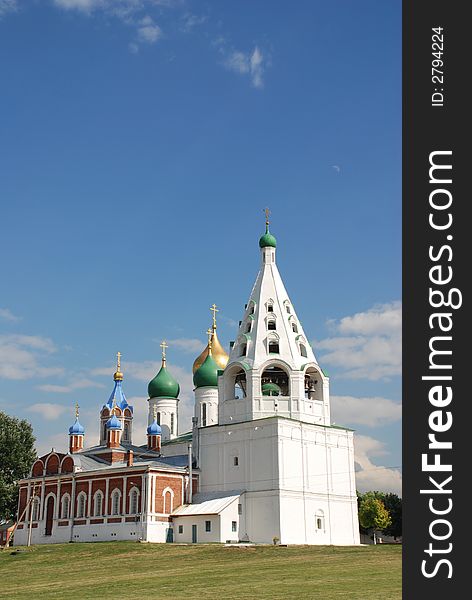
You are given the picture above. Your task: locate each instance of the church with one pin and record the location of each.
(263, 463)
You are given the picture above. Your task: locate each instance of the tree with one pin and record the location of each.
(372, 514)
(393, 504)
(17, 454)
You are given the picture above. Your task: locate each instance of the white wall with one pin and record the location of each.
(290, 471)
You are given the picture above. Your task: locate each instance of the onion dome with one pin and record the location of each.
(271, 389)
(113, 422)
(267, 240)
(154, 428)
(163, 385)
(207, 374)
(219, 355)
(76, 428)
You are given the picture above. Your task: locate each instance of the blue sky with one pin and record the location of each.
(140, 141)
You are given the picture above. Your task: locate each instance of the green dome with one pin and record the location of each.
(271, 389)
(267, 240)
(207, 374)
(163, 385)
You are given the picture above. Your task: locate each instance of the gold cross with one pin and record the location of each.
(118, 361)
(214, 310)
(76, 410)
(210, 335)
(267, 213)
(164, 345)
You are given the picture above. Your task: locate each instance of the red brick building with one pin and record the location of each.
(112, 491)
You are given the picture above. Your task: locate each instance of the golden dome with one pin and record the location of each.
(217, 352)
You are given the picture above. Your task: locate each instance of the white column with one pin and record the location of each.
(58, 495)
(124, 508)
(107, 492)
(89, 499)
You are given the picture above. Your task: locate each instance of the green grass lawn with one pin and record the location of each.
(133, 570)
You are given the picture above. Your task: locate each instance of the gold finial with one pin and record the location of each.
(76, 410)
(118, 375)
(267, 213)
(210, 339)
(164, 345)
(214, 310)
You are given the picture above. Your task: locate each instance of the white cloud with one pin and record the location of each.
(370, 476)
(251, 63)
(133, 48)
(381, 319)
(74, 385)
(368, 345)
(371, 412)
(86, 6)
(8, 6)
(21, 356)
(48, 411)
(5, 313)
(148, 31)
(190, 21)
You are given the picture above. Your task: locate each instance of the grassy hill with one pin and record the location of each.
(203, 572)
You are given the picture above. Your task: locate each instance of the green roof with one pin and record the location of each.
(207, 373)
(267, 240)
(163, 385)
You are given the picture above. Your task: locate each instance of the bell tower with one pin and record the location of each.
(272, 369)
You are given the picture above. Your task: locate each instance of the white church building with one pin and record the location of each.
(263, 462)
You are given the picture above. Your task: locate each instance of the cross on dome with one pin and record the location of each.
(214, 310)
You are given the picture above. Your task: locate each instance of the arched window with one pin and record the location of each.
(319, 520)
(270, 308)
(274, 347)
(104, 431)
(251, 308)
(294, 328)
(65, 506)
(172, 418)
(115, 503)
(243, 349)
(35, 510)
(271, 325)
(133, 501)
(158, 418)
(287, 307)
(168, 500)
(313, 384)
(204, 414)
(248, 326)
(81, 499)
(303, 350)
(126, 432)
(275, 375)
(98, 504)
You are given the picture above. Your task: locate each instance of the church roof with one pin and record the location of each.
(210, 503)
(270, 317)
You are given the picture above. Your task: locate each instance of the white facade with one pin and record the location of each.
(167, 414)
(274, 439)
(206, 406)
